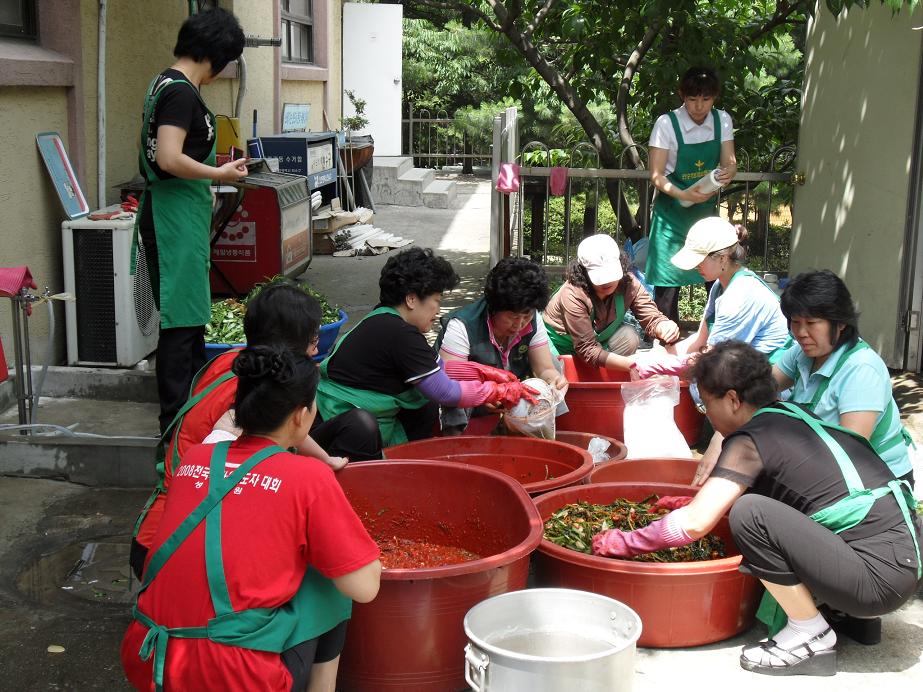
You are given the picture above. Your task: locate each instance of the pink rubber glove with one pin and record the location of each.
(465, 370)
(673, 501)
(663, 533)
(649, 363)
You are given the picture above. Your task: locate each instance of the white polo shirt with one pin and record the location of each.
(663, 136)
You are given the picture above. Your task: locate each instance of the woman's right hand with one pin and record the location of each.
(232, 171)
(695, 196)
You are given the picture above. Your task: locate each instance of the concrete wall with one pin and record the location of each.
(52, 86)
(855, 146)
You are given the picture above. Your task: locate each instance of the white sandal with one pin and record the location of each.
(822, 662)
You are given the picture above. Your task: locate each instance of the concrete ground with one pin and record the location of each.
(45, 524)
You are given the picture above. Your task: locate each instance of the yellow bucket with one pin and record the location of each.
(228, 134)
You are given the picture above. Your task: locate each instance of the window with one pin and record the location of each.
(17, 18)
(297, 31)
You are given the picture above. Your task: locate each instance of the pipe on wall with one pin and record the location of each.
(101, 109)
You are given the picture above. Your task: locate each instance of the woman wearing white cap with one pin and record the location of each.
(584, 317)
(740, 306)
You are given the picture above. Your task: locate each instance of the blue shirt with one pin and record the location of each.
(747, 311)
(862, 384)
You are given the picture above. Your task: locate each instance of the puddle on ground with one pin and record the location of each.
(93, 571)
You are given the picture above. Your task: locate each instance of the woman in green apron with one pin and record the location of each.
(686, 144)
(584, 317)
(177, 161)
(834, 372)
(840, 530)
(259, 555)
(385, 365)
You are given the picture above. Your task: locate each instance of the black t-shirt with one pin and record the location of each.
(182, 106)
(780, 457)
(383, 354)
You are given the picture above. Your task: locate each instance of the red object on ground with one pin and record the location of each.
(677, 471)
(540, 465)
(595, 401)
(681, 604)
(617, 448)
(411, 637)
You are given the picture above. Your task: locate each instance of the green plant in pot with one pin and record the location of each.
(357, 121)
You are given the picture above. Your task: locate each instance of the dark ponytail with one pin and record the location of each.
(738, 253)
(272, 383)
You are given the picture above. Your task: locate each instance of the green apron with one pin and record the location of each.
(334, 398)
(777, 354)
(563, 344)
(845, 513)
(670, 221)
(879, 439)
(167, 441)
(182, 213)
(316, 607)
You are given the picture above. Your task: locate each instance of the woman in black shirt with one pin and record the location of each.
(795, 528)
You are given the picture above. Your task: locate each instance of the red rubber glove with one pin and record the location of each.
(663, 533)
(463, 370)
(673, 501)
(649, 363)
(509, 394)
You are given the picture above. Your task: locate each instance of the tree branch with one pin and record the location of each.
(781, 16)
(515, 11)
(621, 102)
(538, 18)
(461, 7)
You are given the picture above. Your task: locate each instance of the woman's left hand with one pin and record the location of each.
(725, 175)
(558, 381)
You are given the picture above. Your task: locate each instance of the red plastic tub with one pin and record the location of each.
(680, 604)
(595, 402)
(617, 448)
(677, 471)
(540, 465)
(411, 637)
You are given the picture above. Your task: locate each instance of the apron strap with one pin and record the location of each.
(610, 329)
(822, 387)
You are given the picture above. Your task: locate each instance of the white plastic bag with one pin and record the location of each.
(598, 449)
(650, 430)
(536, 420)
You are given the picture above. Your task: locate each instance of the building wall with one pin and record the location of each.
(57, 91)
(855, 146)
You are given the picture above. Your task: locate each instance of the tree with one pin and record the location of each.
(591, 52)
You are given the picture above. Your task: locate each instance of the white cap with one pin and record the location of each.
(599, 255)
(706, 236)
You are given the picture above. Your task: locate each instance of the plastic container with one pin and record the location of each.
(617, 448)
(411, 637)
(545, 640)
(595, 401)
(326, 338)
(681, 604)
(677, 471)
(540, 465)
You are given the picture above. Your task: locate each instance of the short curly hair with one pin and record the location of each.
(516, 284)
(214, 35)
(734, 365)
(415, 270)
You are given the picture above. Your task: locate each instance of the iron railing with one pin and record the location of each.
(439, 141)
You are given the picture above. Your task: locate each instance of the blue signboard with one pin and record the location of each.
(62, 175)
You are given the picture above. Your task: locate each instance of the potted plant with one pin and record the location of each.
(357, 151)
(225, 330)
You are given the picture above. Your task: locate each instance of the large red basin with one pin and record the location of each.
(411, 637)
(594, 398)
(617, 448)
(678, 471)
(680, 604)
(540, 465)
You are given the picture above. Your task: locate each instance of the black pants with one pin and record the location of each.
(301, 658)
(354, 435)
(180, 355)
(866, 577)
(419, 423)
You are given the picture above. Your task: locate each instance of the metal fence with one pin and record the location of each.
(547, 228)
(437, 141)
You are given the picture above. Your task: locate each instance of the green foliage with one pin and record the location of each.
(358, 120)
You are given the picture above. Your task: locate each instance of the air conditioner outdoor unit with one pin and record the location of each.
(113, 321)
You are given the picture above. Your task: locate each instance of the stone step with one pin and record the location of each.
(391, 167)
(439, 194)
(417, 177)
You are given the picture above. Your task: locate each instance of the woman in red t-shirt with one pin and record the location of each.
(269, 567)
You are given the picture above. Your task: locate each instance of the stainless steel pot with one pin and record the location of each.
(551, 640)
